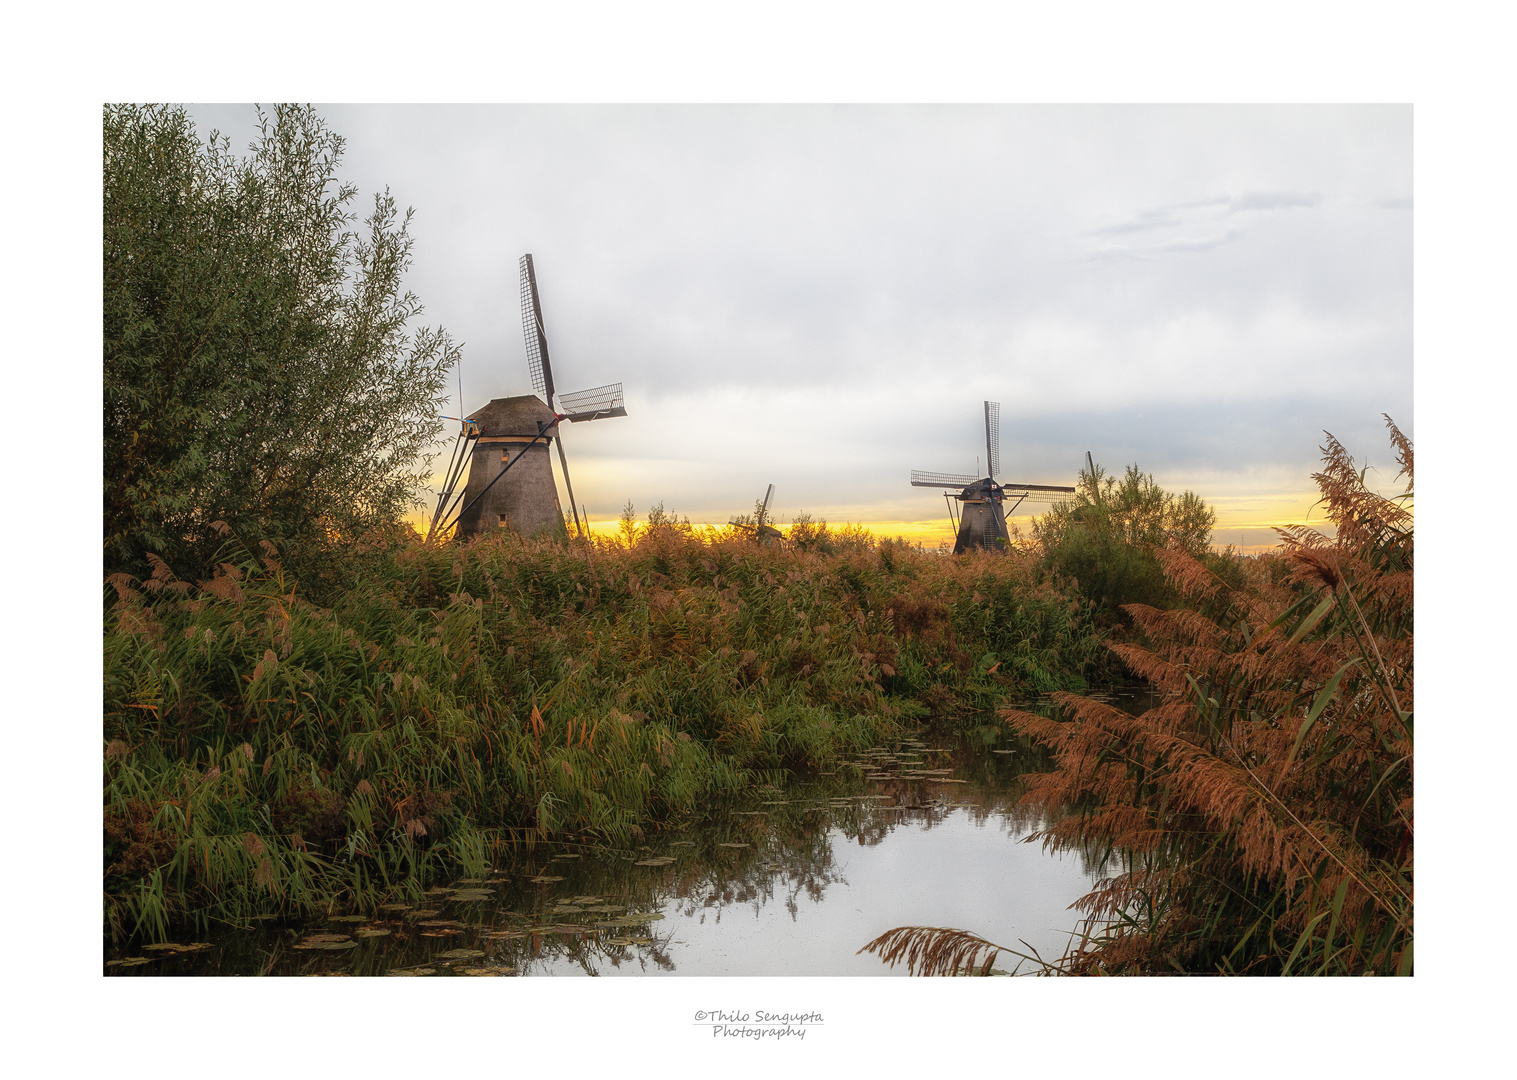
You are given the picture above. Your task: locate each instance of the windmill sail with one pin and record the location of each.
(993, 437)
(532, 329)
(922, 478)
(596, 404)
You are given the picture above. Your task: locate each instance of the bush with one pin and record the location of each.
(1107, 537)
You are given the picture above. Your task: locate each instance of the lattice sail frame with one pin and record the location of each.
(594, 404)
(923, 478)
(993, 437)
(538, 364)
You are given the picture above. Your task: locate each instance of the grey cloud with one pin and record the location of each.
(786, 292)
(1160, 217)
(1272, 200)
(1179, 245)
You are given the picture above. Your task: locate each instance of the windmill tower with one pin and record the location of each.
(505, 445)
(764, 532)
(982, 509)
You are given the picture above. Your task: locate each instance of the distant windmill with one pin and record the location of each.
(518, 430)
(763, 531)
(982, 514)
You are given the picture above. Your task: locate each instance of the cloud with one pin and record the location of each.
(1179, 245)
(1160, 217)
(1272, 200)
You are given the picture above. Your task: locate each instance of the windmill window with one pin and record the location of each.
(505, 456)
(504, 523)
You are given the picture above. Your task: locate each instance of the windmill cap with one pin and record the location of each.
(513, 416)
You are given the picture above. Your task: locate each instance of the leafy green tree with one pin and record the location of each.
(260, 364)
(1105, 537)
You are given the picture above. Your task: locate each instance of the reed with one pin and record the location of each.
(452, 703)
(1258, 820)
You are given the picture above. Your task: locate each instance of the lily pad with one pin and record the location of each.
(567, 855)
(544, 879)
(319, 939)
(484, 972)
(460, 954)
(372, 931)
(394, 907)
(171, 947)
(470, 881)
(472, 896)
(414, 971)
(328, 946)
(734, 845)
(425, 913)
(439, 922)
(662, 861)
(132, 961)
(347, 918)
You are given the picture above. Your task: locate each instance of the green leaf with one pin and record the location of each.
(1321, 703)
(1313, 619)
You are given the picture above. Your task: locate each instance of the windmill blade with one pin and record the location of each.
(993, 437)
(596, 404)
(1034, 489)
(767, 496)
(1042, 494)
(532, 329)
(920, 478)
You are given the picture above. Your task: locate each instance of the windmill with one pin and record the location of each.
(982, 509)
(519, 430)
(764, 532)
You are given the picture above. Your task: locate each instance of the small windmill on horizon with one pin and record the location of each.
(516, 431)
(981, 520)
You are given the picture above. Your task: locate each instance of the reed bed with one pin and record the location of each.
(266, 755)
(1258, 820)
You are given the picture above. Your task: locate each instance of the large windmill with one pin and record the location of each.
(981, 520)
(517, 430)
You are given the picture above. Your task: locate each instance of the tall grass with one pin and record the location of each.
(1260, 817)
(264, 754)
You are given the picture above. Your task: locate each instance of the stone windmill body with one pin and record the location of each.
(505, 446)
(980, 522)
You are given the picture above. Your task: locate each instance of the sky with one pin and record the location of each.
(821, 297)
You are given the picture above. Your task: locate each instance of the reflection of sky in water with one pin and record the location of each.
(958, 873)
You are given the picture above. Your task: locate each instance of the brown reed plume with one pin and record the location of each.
(1258, 819)
(1261, 814)
(935, 950)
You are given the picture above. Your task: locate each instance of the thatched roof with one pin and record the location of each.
(512, 416)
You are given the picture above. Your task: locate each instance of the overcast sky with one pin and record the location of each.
(821, 297)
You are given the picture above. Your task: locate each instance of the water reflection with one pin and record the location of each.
(792, 881)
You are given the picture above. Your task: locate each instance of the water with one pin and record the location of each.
(791, 881)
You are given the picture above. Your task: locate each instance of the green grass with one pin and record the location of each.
(458, 702)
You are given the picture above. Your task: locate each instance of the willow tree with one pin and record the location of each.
(262, 365)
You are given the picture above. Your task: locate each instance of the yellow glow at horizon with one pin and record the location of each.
(1242, 522)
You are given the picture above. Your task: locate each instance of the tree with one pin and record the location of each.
(259, 363)
(1105, 537)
